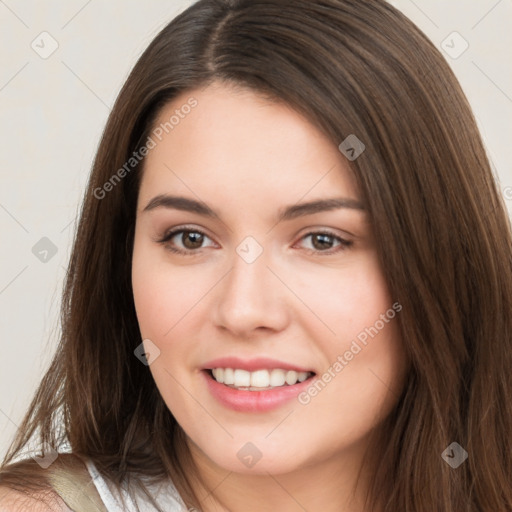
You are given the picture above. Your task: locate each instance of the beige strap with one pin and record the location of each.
(76, 487)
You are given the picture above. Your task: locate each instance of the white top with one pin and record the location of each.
(165, 495)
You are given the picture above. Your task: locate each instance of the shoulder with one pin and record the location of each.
(12, 500)
(24, 485)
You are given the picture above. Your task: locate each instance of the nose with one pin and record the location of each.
(251, 298)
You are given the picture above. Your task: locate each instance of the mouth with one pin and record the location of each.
(255, 385)
(258, 380)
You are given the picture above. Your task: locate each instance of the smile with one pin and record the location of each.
(258, 380)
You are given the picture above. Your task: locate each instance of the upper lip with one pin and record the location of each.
(250, 365)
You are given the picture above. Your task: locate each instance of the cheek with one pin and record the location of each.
(345, 300)
(364, 361)
(162, 293)
(150, 294)
(162, 300)
(368, 329)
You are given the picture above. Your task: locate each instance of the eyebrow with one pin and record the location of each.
(288, 213)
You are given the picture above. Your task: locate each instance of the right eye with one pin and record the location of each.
(190, 239)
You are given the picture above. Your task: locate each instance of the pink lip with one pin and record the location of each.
(251, 365)
(253, 401)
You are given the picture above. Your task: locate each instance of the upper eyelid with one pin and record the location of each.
(171, 233)
(341, 239)
(192, 228)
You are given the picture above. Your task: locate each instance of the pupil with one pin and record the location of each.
(325, 241)
(196, 239)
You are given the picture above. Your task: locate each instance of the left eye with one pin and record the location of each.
(323, 242)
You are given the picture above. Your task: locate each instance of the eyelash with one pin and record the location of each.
(343, 244)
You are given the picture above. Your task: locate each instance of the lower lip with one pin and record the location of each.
(253, 401)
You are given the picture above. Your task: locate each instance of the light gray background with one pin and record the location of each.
(53, 111)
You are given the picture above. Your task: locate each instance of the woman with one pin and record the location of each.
(290, 287)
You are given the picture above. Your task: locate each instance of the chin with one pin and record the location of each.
(255, 457)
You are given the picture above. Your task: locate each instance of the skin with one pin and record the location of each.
(248, 158)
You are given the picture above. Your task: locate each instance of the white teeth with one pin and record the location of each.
(291, 377)
(259, 379)
(242, 378)
(229, 376)
(301, 377)
(218, 374)
(277, 378)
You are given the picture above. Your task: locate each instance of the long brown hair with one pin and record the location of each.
(352, 67)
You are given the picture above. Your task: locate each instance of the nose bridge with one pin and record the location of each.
(248, 282)
(248, 274)
(251, 295)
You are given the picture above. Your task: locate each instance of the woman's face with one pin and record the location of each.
(264, 282)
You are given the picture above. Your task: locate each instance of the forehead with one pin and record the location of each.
(235, 144)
